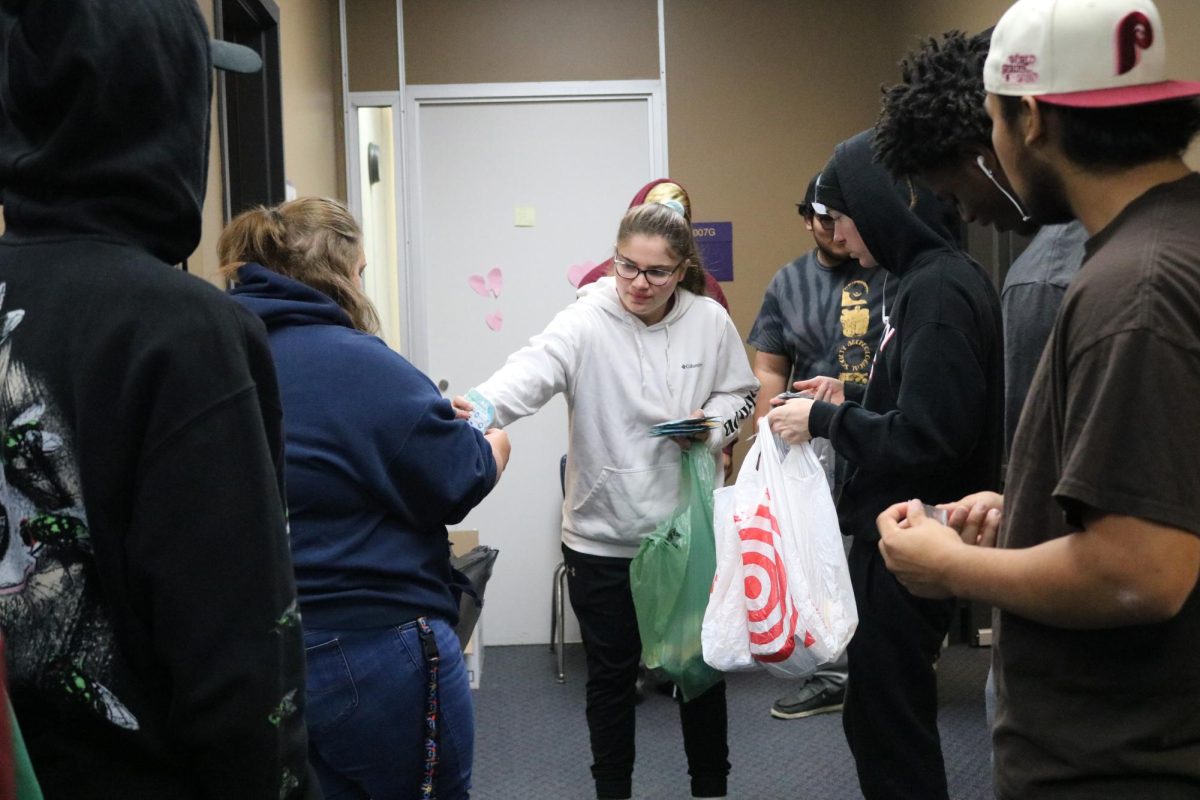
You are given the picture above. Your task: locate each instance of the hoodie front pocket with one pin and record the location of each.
(629, 501)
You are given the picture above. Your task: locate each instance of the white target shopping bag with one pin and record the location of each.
(724, 636)
(798, 603)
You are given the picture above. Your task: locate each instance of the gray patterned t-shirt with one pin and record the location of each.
(825, 320)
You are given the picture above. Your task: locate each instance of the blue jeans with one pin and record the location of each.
(366, 713)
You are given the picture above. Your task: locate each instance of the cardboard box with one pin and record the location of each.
(473, 655)
(463, 541)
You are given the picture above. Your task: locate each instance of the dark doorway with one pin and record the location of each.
(250, 107)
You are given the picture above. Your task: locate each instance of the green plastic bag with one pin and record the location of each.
(671, 577)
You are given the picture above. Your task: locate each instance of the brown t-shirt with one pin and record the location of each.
(1112, 423)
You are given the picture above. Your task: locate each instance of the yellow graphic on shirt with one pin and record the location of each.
(856, 316)
(854, 356)
(855, 293)
(855, 321)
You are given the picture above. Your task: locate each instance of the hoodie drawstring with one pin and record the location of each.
(670, 389)
(641, 354)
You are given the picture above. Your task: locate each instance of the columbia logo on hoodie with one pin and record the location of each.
(697, 365)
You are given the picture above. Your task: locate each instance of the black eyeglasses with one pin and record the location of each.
(655, 276)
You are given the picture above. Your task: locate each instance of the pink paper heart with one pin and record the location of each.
(577, 272)
(495, 321)
(495, 280)
(478, 285)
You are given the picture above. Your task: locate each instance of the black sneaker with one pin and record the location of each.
(814, 697)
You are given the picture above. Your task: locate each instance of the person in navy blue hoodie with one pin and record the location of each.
(376, 466)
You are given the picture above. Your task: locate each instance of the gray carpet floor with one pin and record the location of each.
(532, 744)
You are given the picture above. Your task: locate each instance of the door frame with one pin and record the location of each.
(421, 96)
(394, 100)
(252, 165)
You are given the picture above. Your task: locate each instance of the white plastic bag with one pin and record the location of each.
(724, 637)
(799, 603)
(823, 448)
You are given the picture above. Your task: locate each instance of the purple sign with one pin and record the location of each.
(715, 240)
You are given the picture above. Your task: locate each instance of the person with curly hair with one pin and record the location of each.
(933, 126)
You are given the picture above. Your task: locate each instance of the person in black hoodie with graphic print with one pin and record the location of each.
(929, 425)
(146, 590)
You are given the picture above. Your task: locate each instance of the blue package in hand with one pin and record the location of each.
(483, 413)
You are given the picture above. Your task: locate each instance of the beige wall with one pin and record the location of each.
(755, 111)
(1181, 18)
(309, 62)
(483, 41)
(371, 45)
(311, 82)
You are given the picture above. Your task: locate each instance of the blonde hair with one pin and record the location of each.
(313, 240)
(655, 219)
(669, 190)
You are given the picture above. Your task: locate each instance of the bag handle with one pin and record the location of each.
(804, 453)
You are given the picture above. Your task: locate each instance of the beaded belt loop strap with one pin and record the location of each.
(430, 651)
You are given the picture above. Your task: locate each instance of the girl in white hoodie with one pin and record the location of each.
(637, 348)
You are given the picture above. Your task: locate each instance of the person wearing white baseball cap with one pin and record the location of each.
(1094, 573)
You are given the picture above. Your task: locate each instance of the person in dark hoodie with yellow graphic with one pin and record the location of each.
(146, 590)
(928, 425)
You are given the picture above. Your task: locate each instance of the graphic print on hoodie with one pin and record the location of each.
(930, 423)
(146, 593)
(62, 640)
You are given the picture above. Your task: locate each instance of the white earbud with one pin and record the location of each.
(1024, 217)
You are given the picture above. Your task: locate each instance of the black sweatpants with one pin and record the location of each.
(601, 598)
(890, 711)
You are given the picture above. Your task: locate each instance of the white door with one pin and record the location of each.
(514, 189)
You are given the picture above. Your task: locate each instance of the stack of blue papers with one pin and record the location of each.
(689, 426)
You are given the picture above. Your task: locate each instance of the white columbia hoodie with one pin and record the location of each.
(621, 376)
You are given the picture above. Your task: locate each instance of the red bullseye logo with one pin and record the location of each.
(772, 618)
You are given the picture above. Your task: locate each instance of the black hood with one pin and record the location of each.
(900, 222)
(104, 120)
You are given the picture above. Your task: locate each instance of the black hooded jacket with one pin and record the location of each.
(146, 594)
(930, 424)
